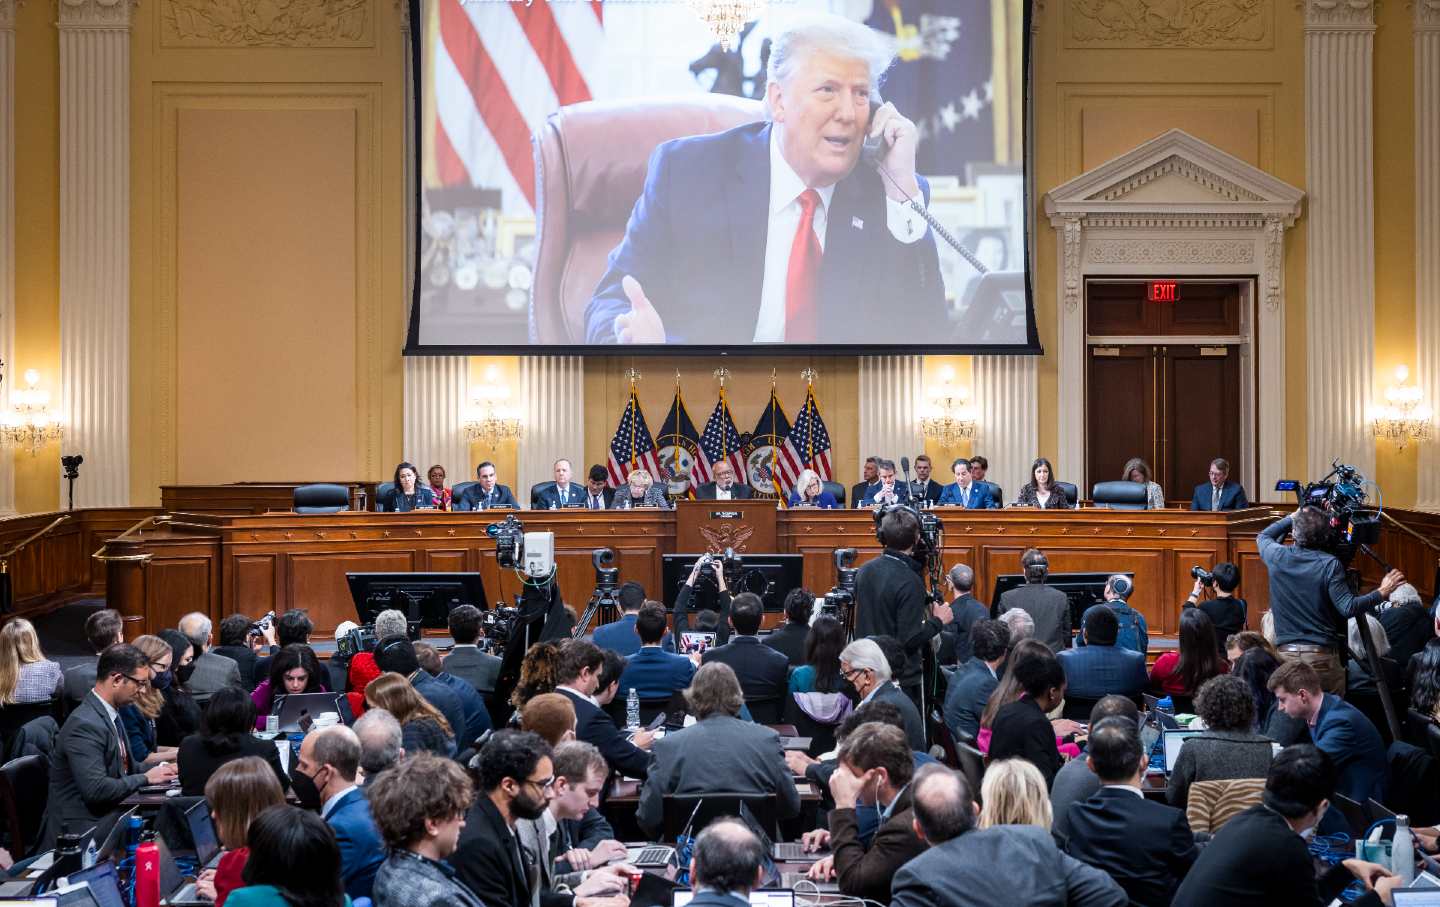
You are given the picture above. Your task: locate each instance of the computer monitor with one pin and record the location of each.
(427, 598)
(1083, 589)
(770, 576)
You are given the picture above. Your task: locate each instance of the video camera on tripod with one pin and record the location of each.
(839, 602)
(1341, 495)
(605, 600)
(533, 553)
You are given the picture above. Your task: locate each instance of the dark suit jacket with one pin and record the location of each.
(595, 727)
(686, 762)
(931, 491)
(472, 704)
(79, 681)
(976, 497)
(1257, 860)
(955, 645)
(866, 871)
(902, 493)
(213, 671)
(762, 671)
(965, 697)
(244, 656)
(696, 243)
(362, 850)
(470, 664)
(488, 860)
(914, 725)
(87, 780)
(1092, 672)
(738, 490)
(655, 673)
(1145, 846)
(550, 497)
(1353, 744)
(474, 498)
(199, 757)
(859, 490)
(789, 639)
(607, 497)
(438, 694)
(395, 501)
(1021, 730)
(620, 636)
(1232, 497)
(1049, 608)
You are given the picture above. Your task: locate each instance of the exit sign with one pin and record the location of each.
(1163, 291)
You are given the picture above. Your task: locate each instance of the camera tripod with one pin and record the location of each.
(605, 601)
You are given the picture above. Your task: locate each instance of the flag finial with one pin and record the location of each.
(634, 375)
(677, 379)
(722, 373)
(809, 374)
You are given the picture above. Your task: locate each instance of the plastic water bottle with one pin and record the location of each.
(1402, 851)
(632, 709)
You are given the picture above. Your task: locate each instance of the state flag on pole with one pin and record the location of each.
(807, 446)
(762, 454)
(721, 440)
(632, 447)
(683, 467)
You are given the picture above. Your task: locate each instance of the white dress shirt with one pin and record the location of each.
(722, 494)
(785, 188)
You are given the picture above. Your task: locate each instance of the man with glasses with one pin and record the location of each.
(91, 769)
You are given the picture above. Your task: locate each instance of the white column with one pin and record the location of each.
(1007, 430)
(1427, 232)
(436, 392)
(1069, 458)
(95, 246)
(1340, 254)
(552, 394)
(890, 393)
(7, 233)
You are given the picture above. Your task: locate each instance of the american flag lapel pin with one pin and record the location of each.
(857, 223)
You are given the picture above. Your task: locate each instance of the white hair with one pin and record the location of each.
(834, 35)
(1377, 635)
(345, 626)
(391, 623)
(196, 628)
(1021, 624)
(1405, 594)
(803, 481)
(866, 654)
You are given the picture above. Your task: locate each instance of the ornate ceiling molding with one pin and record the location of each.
(95, 14)
(1208, 24)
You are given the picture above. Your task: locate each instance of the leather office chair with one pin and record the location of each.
(1119, 495)
(996, 493)
(535, 493)
(382, 491)
(458, 489)
(838, 490)
(320, 498)
(24, 789)
(587, 183)
(1072, 494)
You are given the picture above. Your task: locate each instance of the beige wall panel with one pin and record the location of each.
(266, 366)
(1110, 131)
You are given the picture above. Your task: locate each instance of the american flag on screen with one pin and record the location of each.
(499, 70)
(721, 440)
(632, 447)
(807, 447)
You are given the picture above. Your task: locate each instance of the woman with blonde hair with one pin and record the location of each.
(1014, 793)
(26, 675)
(422, 727)
(810, 491)
(239, 791)
(640, 490)
(1137, 470)
(139, 718)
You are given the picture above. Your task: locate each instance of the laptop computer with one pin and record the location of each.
(175, 888)
(116, 836)
(1415, 897)
(1174, 740)
(103, 882)
(760, 897)
(1353, 812)
(294, 709)
(202, 833)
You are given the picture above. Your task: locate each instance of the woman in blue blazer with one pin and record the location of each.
(407, 493)
(809, 490)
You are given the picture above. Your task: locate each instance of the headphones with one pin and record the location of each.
(1121, 585)
(1038, 567)
(389, 644)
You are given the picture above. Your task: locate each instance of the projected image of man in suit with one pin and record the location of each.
(770, 232)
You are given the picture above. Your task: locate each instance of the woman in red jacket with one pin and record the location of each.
(1181, 673)
(237, 793)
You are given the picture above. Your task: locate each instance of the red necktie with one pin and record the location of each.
(803, 277)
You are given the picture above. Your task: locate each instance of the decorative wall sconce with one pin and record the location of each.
(29, 422)
(492, 419)
(948, 418)
(1405, 418)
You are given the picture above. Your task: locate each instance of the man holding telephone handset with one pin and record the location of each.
(771, 232)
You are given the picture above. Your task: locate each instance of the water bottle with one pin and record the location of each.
(1402, 851)
(147, 873)
(632, 709)
(92, 854)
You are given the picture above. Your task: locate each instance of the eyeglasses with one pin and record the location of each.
(159, 666)
(545, 785)
(851, 674)
(136, 680)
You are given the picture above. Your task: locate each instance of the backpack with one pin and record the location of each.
(1129, 635)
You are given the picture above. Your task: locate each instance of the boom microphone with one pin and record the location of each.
(905, 467)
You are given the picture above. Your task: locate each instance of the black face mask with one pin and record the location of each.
(183, 672)
(306, 793)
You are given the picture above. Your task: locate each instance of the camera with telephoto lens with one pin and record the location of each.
(927, 541)
(1341, 495)
(509, 539)
(258, 627)
(732, 565)
(360, 639)
(496, 625)
(1205, 577)
(840, 599)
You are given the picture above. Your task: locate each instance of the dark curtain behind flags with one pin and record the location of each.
(632, 447)
(683, 468)
(942, 79)
(764, 448)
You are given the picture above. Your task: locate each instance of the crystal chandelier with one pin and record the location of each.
(948, 418)
(29, 422)
(726, 17)
(1404, 417)
(492, 419)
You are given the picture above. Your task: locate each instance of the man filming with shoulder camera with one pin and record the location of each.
(891, 596)
(1310, 599)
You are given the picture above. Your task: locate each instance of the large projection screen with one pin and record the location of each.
(603, 177)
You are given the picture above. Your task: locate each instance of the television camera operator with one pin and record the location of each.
(892, 597)
(1310, 596)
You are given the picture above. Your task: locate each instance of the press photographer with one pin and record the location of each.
(891, 596)
(1225, 610)
(1310, 595)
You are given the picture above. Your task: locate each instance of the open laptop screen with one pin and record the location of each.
(1174, 740)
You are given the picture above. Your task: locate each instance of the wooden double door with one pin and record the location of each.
(1174, 400)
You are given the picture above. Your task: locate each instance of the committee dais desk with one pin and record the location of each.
(258, 562)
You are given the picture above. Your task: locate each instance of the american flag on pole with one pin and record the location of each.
(632, 447)
(721, 440)
(807, 447)
(682, 463)
(499, 70)
(763, 451)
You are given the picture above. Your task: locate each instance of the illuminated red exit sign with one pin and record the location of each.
(1163, 291)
